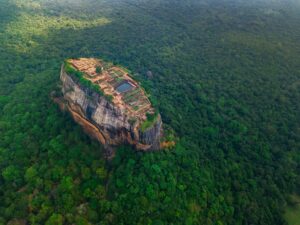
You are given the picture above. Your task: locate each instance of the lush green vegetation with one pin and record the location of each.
(79, 77)
(225, 79)
(151, 119)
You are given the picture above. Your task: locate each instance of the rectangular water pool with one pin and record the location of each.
(126, 86)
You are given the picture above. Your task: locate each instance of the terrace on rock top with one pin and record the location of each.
(116, 82)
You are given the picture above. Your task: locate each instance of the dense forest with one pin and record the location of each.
(226, 80)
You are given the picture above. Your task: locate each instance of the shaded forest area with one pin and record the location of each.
(225, 76)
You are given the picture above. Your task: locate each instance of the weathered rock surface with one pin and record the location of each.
(104, 121)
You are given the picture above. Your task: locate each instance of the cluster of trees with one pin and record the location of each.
(225, 76)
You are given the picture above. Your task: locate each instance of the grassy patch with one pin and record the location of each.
(292, 213)
(78, 75)
(87, 83)
(151, 119)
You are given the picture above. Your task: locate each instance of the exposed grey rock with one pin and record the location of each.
(103, 120)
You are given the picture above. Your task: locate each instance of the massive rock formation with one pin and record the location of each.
(107, 120)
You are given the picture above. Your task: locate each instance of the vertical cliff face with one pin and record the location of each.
(105, 121)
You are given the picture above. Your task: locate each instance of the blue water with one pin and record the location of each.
(124, 87)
